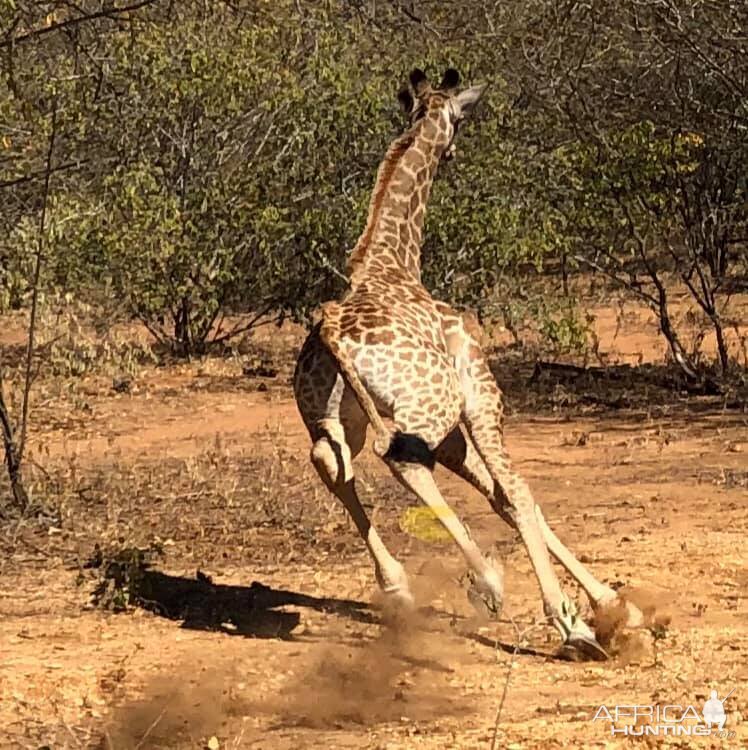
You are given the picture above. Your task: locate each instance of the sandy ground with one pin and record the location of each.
(204, 461)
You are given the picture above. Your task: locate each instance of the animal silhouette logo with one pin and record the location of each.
(714, 710)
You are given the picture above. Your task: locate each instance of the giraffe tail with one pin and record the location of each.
(397, 446)
(330, 316)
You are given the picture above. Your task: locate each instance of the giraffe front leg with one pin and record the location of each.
(458, 454)
(517, 505)
(482, 414)
(598, 593)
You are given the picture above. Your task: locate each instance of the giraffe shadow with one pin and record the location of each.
(507, 648)
(251, 611)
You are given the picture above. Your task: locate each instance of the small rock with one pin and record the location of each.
(122, 384)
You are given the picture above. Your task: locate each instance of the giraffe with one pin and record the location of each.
(388, 349)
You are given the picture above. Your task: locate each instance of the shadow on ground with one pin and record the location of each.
(251, 611)
(127, 580)
(539, 386)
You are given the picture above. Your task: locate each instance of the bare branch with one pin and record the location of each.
(110, 12)
(38, 260)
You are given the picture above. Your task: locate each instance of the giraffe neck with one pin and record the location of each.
(393, 232)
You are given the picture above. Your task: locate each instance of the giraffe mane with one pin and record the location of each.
(384, 176)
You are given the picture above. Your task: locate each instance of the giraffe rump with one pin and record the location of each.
(397, 446)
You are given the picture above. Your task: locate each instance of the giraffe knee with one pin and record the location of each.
(332, 461)
(324, 460)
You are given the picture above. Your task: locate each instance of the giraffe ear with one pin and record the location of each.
(419, 82)
(468, 98)
(450, 80)
(406, 101)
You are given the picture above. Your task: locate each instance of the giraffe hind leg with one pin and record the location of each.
(411, 460)
(332, 455)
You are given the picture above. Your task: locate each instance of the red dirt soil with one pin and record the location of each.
(658, 503)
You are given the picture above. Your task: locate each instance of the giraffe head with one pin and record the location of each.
(438, 111)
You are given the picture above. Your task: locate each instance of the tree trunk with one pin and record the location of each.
(12, 461)
(669, 333)
(564, 273)
(724, 360)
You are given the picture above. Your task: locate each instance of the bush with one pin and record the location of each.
(216, 159)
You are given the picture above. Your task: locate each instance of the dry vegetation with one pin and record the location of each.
(198, 587)
(172, 573)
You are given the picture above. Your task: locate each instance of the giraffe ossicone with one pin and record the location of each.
(388, 350)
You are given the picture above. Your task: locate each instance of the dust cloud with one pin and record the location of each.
(394, 676)
(174, 710)
(631, 646)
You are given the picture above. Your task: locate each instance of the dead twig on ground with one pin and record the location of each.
(148, 731)
(519, 645)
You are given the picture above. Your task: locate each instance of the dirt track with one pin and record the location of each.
(217, 472)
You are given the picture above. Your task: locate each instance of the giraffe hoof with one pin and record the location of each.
(404, 599)
(485, 604)
(400, 599)
(398, 608)
(582, 647)
(486, 593)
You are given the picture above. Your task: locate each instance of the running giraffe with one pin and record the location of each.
(388, 349)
